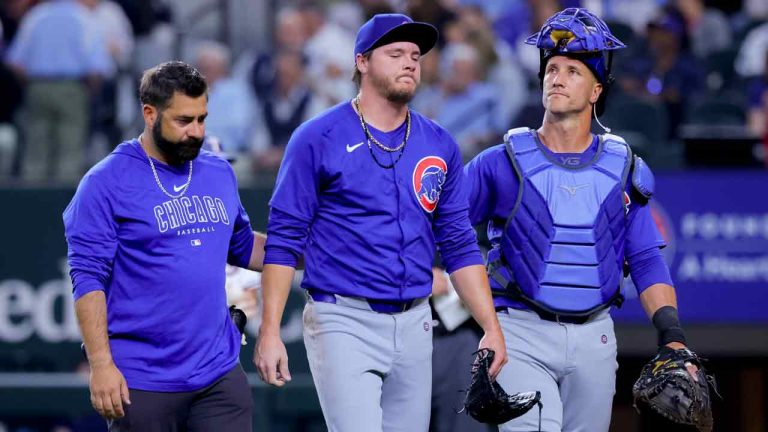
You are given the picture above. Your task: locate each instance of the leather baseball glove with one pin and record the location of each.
(487, 402)
(668, 388)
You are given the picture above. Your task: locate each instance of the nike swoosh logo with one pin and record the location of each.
(178, 189)
(351, 148)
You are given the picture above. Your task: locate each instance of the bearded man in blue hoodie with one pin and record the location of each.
(150, 230)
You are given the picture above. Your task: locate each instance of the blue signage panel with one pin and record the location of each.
(716, 226)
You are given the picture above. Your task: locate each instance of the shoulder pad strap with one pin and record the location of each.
(516, 131)
(642, 177)
(612, 137)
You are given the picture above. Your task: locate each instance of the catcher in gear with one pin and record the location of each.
(567, 213)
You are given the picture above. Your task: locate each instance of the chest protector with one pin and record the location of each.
(562, 248)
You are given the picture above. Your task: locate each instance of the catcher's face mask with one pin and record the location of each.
(579, 34)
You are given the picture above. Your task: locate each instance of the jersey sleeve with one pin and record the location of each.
(455, 237)
(295, 198)
(91, 233)
(241, 243)
(286, 238)
(642, 232)
(643, 244)
(481, 184)
(648, 268)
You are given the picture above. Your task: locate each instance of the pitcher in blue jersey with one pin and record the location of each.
(567, 214)
(150, 231)
(365, 191)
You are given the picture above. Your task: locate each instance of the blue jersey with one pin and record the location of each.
(365, 230)
(493, 187)
(161, 263)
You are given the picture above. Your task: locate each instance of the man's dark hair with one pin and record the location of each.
(159, 83)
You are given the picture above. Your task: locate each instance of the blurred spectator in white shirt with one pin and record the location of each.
(231, 103)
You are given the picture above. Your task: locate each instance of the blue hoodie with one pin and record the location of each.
(161, 263)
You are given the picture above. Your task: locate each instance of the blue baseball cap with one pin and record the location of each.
(384, 29)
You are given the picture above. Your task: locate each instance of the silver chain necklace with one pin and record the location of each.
(157, 178)
(370, 137)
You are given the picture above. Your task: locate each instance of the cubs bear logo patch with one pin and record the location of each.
(428, 179)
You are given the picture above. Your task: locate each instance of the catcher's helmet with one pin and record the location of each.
(579, 34)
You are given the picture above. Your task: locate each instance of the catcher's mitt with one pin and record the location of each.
(666, 386)
(487, 402)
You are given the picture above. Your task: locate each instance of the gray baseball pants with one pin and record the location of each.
(372, 371)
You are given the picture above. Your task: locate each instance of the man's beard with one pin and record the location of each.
(176, 153)
(390, 92)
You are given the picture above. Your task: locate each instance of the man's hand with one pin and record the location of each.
(270, 356)
(271, 360)
(494, 340)
(108, 387)
(108, 390)
(471, 285)
(692, 369)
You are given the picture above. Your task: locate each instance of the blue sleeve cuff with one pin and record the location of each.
(280, 255)
(648, 268)
(286, 238)
(84, 282)
(457, 263)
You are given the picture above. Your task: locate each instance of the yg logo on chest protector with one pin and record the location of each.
(570, 161)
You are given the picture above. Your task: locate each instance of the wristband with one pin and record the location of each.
(668, 325)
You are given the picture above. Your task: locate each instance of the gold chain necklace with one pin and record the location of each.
(183, 189)
(370, 137)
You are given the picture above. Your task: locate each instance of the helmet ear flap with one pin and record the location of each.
(609, 80)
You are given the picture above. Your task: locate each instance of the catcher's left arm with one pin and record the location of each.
(673, 383)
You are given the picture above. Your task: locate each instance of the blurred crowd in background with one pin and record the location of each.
(70, 68)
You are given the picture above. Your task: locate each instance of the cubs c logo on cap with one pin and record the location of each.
(428, 178)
